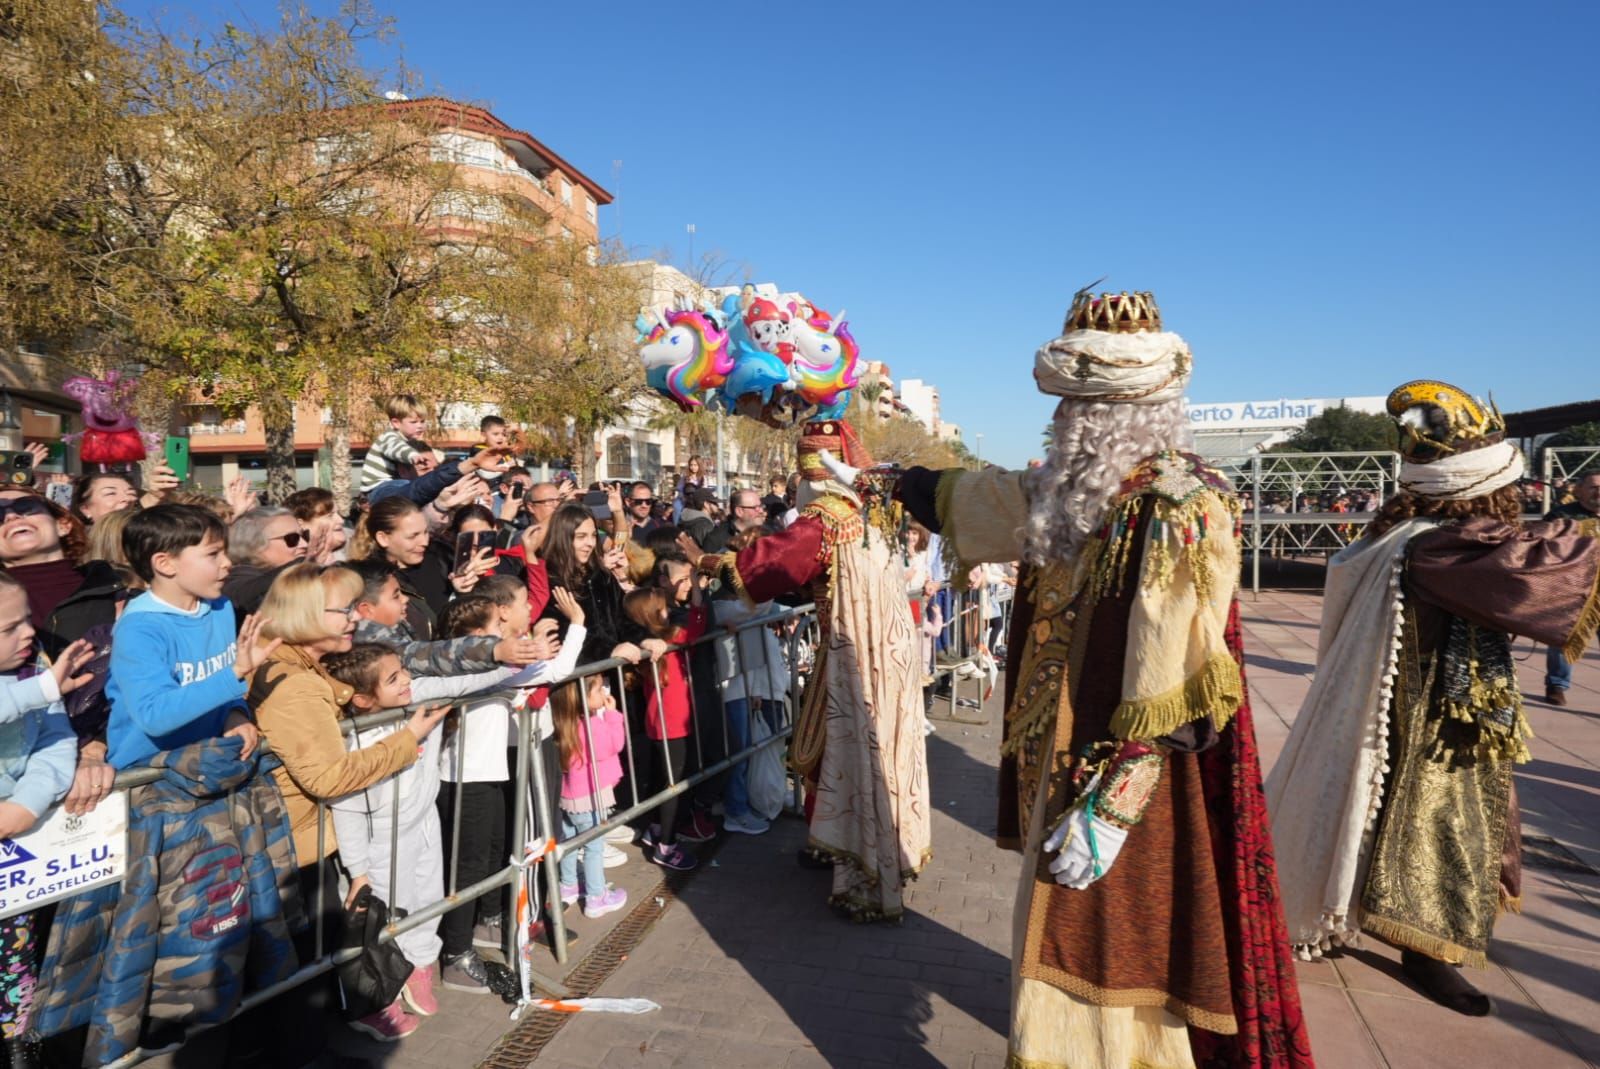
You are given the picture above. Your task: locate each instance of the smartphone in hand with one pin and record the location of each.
(177, 456)
(468, 545)
(595, 501)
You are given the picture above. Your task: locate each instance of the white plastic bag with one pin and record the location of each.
(765, 780)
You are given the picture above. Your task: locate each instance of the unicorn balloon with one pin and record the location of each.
(824, 368)
(685, 356)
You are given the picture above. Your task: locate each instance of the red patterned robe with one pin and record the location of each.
(1177, 956)
(859, 735)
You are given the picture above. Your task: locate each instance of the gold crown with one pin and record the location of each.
(1437, 419)
(1113, 313)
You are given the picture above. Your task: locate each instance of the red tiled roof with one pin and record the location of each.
(482, 121)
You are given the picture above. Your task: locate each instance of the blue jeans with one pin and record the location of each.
(594, 853)
(736, 795)
(1557, 672)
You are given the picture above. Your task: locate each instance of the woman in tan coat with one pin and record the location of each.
(298, 707)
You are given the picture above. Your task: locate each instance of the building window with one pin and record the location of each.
(619, 457)
(650, 468)
(465, 204)
(566, 192)
(462, 148)
(590, 209)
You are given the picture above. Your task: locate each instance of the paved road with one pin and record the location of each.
(753, 972)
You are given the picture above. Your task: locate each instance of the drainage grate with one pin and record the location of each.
(1542, 852)
(520, 1046)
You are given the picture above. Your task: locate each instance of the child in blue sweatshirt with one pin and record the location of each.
(177, 671)
(38, 754)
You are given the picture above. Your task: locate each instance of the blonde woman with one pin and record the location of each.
(298, 706)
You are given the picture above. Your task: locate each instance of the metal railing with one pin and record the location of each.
(534, 796)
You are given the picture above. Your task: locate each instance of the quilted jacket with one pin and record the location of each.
(206, 911)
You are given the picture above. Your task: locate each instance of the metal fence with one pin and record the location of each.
(1295, 477)
(534, 816)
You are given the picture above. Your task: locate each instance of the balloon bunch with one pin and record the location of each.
(746, 354)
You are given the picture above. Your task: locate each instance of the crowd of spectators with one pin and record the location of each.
(237, 640)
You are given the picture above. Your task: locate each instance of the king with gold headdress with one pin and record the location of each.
(1147, 930)
(1393, 803)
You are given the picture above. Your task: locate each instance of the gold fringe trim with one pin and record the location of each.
(730, 569)
(1017, 1061)
(1588, 624)
(1509, 903)
(1224, 1024)
(811, 728)
(1408, 938)
(1215, 691)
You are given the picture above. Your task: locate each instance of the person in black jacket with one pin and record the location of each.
(435, 578)
(573, 559)
(261, 543)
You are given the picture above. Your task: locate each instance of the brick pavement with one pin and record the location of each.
(752, 970)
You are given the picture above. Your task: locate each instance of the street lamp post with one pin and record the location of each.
(979, 436)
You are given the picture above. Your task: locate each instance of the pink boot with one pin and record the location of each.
(418, 991)
(389, 1025)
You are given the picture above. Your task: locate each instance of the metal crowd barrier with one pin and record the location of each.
(529, 775)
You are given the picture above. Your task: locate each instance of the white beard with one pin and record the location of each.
(1095, 446)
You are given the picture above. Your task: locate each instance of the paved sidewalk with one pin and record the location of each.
(753, 971)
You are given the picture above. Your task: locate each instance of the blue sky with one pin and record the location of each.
(1326, 199)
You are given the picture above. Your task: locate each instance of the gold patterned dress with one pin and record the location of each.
(859, 736)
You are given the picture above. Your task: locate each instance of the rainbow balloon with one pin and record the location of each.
(685, 356)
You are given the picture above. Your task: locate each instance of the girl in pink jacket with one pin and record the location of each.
(591, 767)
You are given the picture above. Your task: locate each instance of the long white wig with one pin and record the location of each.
(1095, 447)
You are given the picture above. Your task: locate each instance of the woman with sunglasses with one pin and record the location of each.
(261, 544)
(41, 544)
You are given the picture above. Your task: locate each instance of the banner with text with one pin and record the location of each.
(63, 855)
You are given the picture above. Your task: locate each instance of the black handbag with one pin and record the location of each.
(371, 980)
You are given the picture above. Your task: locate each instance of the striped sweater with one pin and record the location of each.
(384, 458)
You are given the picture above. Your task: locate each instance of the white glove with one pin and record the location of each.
(1075, 865)
(840, 470)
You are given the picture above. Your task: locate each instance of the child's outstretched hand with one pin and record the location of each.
(518, 651)
(424, 720)
(568, 605)
(251, 656)
(66, 666)
(544, 636)
(14, 819)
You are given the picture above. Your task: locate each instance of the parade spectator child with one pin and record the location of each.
(177, 673)
(591, 743)
(38, 754)
(475, 764)
(381, 617)
(393, 447)
(668, 711)
(380, 839)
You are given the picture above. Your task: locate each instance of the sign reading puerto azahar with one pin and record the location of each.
(64, 855)
(1279, 412)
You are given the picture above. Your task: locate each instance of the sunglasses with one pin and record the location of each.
(293, 538)
(641, 501)
(23, 506)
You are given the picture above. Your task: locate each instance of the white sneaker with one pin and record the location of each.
(749, 824)
(620, 834)
(614, 857)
